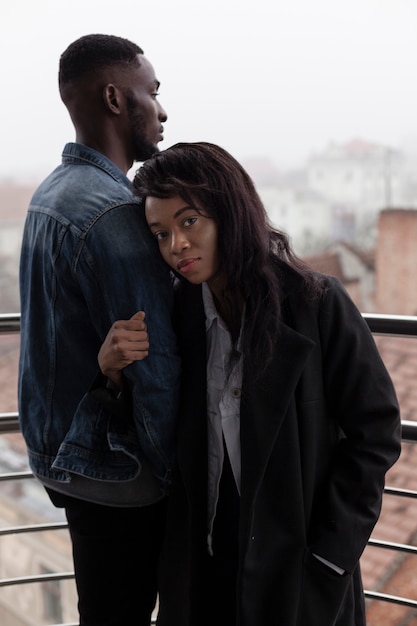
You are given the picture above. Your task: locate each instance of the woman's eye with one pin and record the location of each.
(160, 235)
(190, 221)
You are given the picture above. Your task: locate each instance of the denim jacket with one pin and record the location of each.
(88, 259)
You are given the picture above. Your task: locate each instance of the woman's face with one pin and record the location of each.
(187, 237)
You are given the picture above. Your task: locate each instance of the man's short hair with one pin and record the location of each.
(91, 53)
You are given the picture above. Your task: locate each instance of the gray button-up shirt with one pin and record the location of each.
(224, 381)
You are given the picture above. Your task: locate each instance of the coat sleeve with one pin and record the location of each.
(361, 398)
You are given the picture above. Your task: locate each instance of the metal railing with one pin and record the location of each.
(386, 325)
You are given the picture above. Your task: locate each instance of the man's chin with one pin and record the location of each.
(146, 153)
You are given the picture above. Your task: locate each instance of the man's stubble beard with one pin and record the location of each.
(142, 148)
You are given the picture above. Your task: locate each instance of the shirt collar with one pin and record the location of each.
(212, 314)
(209, 306)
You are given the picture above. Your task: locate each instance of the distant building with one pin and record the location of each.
(292, 206)
(300, 212)
(14, 201)
(359, 178)
(381, 280)
(338, 195)
(355, 268)
(396, 262)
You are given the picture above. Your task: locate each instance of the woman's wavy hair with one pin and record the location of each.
(206, 175)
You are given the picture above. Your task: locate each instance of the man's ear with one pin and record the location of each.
(111, 98)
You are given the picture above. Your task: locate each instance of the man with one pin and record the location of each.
(88, 259)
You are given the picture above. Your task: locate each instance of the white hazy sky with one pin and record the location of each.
(274, 78)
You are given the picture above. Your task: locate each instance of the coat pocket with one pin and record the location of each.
(321, 594)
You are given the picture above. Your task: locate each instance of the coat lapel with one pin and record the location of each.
(265, 403)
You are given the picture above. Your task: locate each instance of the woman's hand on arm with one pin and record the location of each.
(126, 341)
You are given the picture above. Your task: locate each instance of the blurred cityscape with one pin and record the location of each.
(350, 211)
(334, 199)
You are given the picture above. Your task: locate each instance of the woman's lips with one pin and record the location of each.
(185, 265)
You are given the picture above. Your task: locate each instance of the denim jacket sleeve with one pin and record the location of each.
(119, 270)
(87, 259)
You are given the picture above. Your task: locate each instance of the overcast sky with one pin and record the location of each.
(273, 78)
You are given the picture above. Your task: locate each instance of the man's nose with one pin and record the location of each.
(162, 114)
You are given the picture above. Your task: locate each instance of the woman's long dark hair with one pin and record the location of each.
(206, 175)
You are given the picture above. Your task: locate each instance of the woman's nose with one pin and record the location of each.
(178, 243)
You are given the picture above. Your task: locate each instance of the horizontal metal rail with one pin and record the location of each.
(12, 530)
(391, 325)
(40, 578)
(386, 325)
(396, 491)
(9, 322)
(391, 545)
(153, 621)
(386, 597)
(408, 430)
(9, 423)
(16, 475)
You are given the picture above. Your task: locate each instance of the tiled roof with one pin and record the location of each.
(385, 570)
(9, 355)
(326, 263)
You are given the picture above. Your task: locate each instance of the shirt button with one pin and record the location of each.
(236, 392)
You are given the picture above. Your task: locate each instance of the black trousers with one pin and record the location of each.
(116, 552)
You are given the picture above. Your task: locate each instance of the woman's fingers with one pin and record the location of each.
(126, 341)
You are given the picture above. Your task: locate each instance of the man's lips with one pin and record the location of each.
(186, 265)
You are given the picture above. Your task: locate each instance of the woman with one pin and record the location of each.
(289, 419)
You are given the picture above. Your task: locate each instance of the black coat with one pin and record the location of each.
(319, 430)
